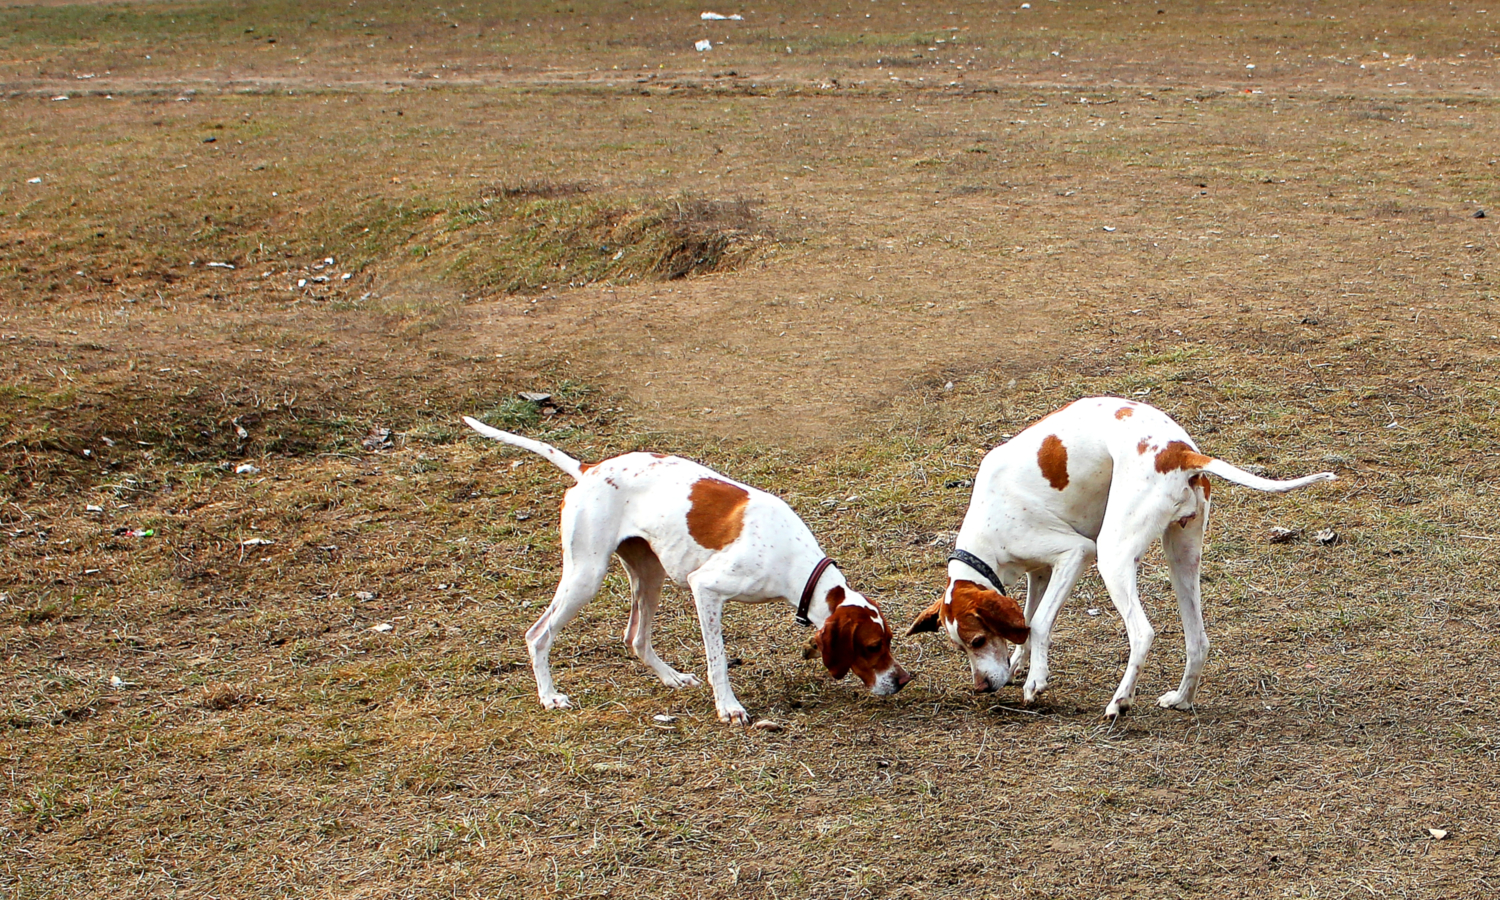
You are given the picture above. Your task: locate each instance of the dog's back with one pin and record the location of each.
(685, 511)
(1062, 467)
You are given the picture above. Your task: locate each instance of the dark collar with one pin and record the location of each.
(807, 592)
(979, 566)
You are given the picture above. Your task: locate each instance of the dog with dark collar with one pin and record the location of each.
(1097, 480)
(667, 517)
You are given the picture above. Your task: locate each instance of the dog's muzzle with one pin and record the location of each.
(989, 682)
(890, 682)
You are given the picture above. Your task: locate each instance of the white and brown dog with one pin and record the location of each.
(1099, 479)
(667, 517)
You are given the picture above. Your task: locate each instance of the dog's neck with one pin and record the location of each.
(819, 609)
(1004, 564)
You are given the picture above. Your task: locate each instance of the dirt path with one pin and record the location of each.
(777, 355)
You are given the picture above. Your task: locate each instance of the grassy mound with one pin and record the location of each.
(522, 239)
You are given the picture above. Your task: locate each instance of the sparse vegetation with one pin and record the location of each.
(544, 236)
(262, 595)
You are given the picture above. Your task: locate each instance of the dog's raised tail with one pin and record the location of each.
(546, 451)
(1239, 476)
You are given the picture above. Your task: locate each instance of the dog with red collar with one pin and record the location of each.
(1097, 480)
(667, 517)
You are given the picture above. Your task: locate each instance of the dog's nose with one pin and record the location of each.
(982, 684)
(903, 678)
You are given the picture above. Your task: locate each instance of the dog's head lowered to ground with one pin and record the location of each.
(981, 622)
(856, 638)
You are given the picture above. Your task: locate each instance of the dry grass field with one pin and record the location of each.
(839, 255)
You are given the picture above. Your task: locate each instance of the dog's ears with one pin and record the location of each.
(836, 642)
(1019, 634)
(928, 620)
(1003, 616)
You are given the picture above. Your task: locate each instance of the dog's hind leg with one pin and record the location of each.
(1133, 520)
(646, 578)
(1182, 542)
(585, 563)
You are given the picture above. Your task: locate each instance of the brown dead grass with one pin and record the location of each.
(1296, 275)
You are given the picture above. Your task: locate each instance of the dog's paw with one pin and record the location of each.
(1174, 700)
(734, 715)
(556, 701)
(679, 680)
(1117, 707)
(1034, 686)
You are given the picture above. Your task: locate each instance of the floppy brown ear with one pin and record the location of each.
(836, 641)
(1003, 615)
(1017, 635)
(928, 620)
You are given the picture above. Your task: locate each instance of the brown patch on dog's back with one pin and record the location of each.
(1053, 460)
(1142, 447)
(1124, 412)
(717, 513)
(1178, 455)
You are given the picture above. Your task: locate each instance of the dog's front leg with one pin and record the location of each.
(1036, 589)
(710, 603)
(1065, 572)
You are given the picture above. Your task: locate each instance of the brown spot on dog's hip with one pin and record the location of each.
(1124, 412)
(1179, 455)
(717, 513)
(1053, 460)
